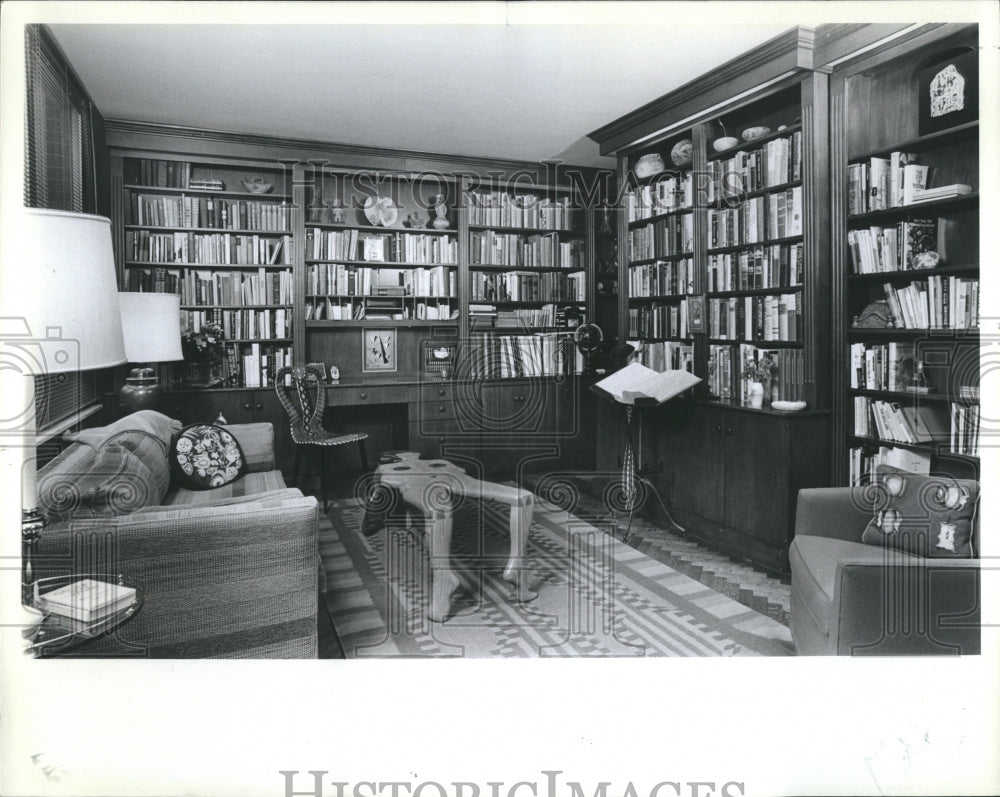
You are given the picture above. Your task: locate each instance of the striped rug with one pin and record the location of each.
(596, 595)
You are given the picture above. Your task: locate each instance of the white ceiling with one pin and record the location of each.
(527, 92)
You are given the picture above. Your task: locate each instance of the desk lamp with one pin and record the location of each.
(151, 327)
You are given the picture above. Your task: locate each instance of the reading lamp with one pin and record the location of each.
(151, 327)
(59, 299)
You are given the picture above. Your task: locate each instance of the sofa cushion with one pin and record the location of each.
(930, 516)
(257, 442)
(150, 421)
(205, 456)
(153, 454)
(249, 485)
(814, 563)
(104, 482)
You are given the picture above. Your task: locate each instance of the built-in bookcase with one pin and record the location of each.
(219, 236)
(909, 264)
(659, 247)
(528, 278)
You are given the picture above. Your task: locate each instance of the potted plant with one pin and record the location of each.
(204, 356)
(757, 373)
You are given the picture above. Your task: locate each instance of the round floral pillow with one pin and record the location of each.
(205, 456)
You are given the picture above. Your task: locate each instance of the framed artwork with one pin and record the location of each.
(378, 350)
(319, 367)
(949, 90)
(696, 313)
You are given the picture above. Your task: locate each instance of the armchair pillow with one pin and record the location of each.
(154, 423)
(204, 456)
(930, 516)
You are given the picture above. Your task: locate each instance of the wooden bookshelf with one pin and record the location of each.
(877, 241)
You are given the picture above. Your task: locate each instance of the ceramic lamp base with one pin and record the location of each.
(141, 391)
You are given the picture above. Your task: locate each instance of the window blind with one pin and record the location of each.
(59, 155)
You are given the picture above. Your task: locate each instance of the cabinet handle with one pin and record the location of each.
(441, 391)
(364, 394)
(718, 428)
(246, 406)
(442, 408)
(259, 407)
(441, 440)
(729, 431)
(518, 398)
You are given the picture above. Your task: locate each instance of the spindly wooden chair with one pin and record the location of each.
(304, 400)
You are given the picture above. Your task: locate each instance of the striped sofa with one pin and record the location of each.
(226, 573)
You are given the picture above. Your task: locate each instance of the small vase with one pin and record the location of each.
(441, 212)
(756, 395)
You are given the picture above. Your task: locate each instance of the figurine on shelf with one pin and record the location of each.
(336, 212)
(441, 213)
(415, 221)
(918, 380)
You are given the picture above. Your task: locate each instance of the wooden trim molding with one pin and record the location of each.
(791, 51)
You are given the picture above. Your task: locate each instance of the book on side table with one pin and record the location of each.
(87, 600)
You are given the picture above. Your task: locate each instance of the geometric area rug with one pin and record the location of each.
(596, 595)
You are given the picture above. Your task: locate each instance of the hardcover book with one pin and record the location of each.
(637, 384)
(87, 600)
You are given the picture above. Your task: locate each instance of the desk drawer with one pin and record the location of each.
(358, 395)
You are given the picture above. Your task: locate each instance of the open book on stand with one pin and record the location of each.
(637, 384)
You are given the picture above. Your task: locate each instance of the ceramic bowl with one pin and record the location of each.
(257, 185)
(788, 406)
(648, 165)
(724, 143)
(755, 132)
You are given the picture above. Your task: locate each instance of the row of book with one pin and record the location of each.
(663, 278)
(659, 321)
(895, 422)
(731, 371)
(255, 364)
(209, 212)
(935, 303)
(143, 246)
(882, 366)
(777, 162)
(495, 356)
(345, 308)
(206, 288)
(549, 315)
(863, 460)
(964, 437)
(882, 183)
(531, 211)
(757, 220)
(158, 173)
(404, 247)
(520, 286)
(266, 324)
(667, 192)
(776, 317)
(488, 247)
(877, 249)
(673, 235)
(664, 355)
(347, 280)
(773, 266)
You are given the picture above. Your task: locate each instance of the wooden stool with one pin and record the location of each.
(428, 485)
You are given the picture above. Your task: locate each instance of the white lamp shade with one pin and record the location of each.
(151, 326)
(59, 293)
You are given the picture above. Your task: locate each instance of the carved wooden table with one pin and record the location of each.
(428, 486)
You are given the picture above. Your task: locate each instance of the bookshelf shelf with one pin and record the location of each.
(722, 250)
(311, 261)
(144, 264)
(212, 230)
(763, 344)
(730, 200)
(915, 209)
(961, 270)
(235, 306)
(900, 395)
(382, 322)
(969, 130)
(204, 192)
(663, 259)
(659, 217)
(377, 228)
(526, 231)
(661, 297)
(754, 291)
(936, 334)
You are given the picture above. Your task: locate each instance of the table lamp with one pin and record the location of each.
(59, 315)
(151, 327)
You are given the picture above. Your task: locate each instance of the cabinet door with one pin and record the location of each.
(698, 441)
(756, 473)
(267, 409)
(204, 406)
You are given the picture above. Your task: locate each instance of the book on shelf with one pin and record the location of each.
(964, 429)
(914, 181)
(87, 600)
(939, 192)
(637, 384)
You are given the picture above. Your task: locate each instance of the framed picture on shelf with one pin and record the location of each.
(378, 351)
(439, 357)
(696, 313)
(319, 367)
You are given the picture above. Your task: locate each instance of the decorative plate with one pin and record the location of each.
(682, 152)
(380, 210)
(755, 132)
(788, 406)
(724, 143)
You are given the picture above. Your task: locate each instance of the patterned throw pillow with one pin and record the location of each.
(930, 516)
(205, 456)
(103, 483)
